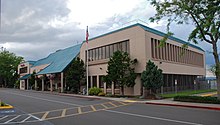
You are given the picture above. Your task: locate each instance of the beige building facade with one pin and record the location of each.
(180, 65)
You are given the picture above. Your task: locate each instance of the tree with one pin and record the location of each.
(152, 77)
(204, 14)
(8, 67)
(32, 79)
(120, 71)
(74, 75)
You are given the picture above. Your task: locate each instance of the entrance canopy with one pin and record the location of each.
(25, 77)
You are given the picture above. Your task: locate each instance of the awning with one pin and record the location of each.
(25, 77)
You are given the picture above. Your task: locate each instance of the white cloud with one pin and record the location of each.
(35, 28)
(92, 12)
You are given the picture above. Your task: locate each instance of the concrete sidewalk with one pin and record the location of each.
(170, 102)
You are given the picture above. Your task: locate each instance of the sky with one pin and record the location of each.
(35, 28)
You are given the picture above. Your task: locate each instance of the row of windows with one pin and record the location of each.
(107, 51)
(175, 53)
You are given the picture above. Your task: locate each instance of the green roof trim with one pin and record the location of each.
(59, 60)
(152, 31)
(25, 77)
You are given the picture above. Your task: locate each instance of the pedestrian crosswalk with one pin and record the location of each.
(15, 119)
(60, 113)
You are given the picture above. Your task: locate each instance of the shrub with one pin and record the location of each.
(197, 99)
(2, 104)
(94, 91)
(101, 94)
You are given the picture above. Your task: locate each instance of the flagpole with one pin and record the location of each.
(87, 63)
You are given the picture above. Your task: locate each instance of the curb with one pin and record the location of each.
(188, 106)
(6, 107)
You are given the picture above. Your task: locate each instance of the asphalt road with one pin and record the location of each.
(35, 108)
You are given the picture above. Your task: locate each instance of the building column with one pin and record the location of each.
(97, 81)
(105, 88)
(61, 82)
(51, 85)
(35, 84)
(91, 84)
(113, 89)
(56, 86)
(27, 84)
(42, 84)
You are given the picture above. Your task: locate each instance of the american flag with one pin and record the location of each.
(87, 34)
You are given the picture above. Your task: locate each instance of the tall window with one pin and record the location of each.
(174, 53)
(107, 51)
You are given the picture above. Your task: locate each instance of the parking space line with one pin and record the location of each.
(12, 119)
(26, 118)
(93, 108)
(63, 113)
(45, 115)
(152, 117)
(113, 104)
(79, 110)
(35, 117)
(3, 117)
(104, 106)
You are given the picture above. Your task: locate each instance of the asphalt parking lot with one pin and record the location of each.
(39, 108)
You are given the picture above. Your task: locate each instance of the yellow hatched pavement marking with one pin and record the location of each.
(104, 106)
(45, 115)
(63, 113)
(121, 103)
(93, 108)
(79, 110)
(129, 101)
(113, 104)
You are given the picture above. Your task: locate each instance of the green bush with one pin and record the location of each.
(101, 94)
(2, 104)
(197, 99)
(94, 91)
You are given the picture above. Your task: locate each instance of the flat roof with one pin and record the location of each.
(151, 30)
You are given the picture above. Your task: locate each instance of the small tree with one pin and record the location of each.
(120, 70)
(32, 79)
(74, 75)
(152, 77)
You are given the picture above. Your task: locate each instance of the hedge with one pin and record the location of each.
(197, 99)
(94, 91)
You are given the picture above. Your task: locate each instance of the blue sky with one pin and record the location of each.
(35, 28)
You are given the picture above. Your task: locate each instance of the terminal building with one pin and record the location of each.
(180, 65)
(50, 71)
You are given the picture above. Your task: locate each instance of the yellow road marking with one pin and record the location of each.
(130, 101)
(104, 106)
(45, 115)
(112, 104)
(121, 103)
(93, 108)
(63, 113)
(210, 94)
(79, 110)
(6, 107)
